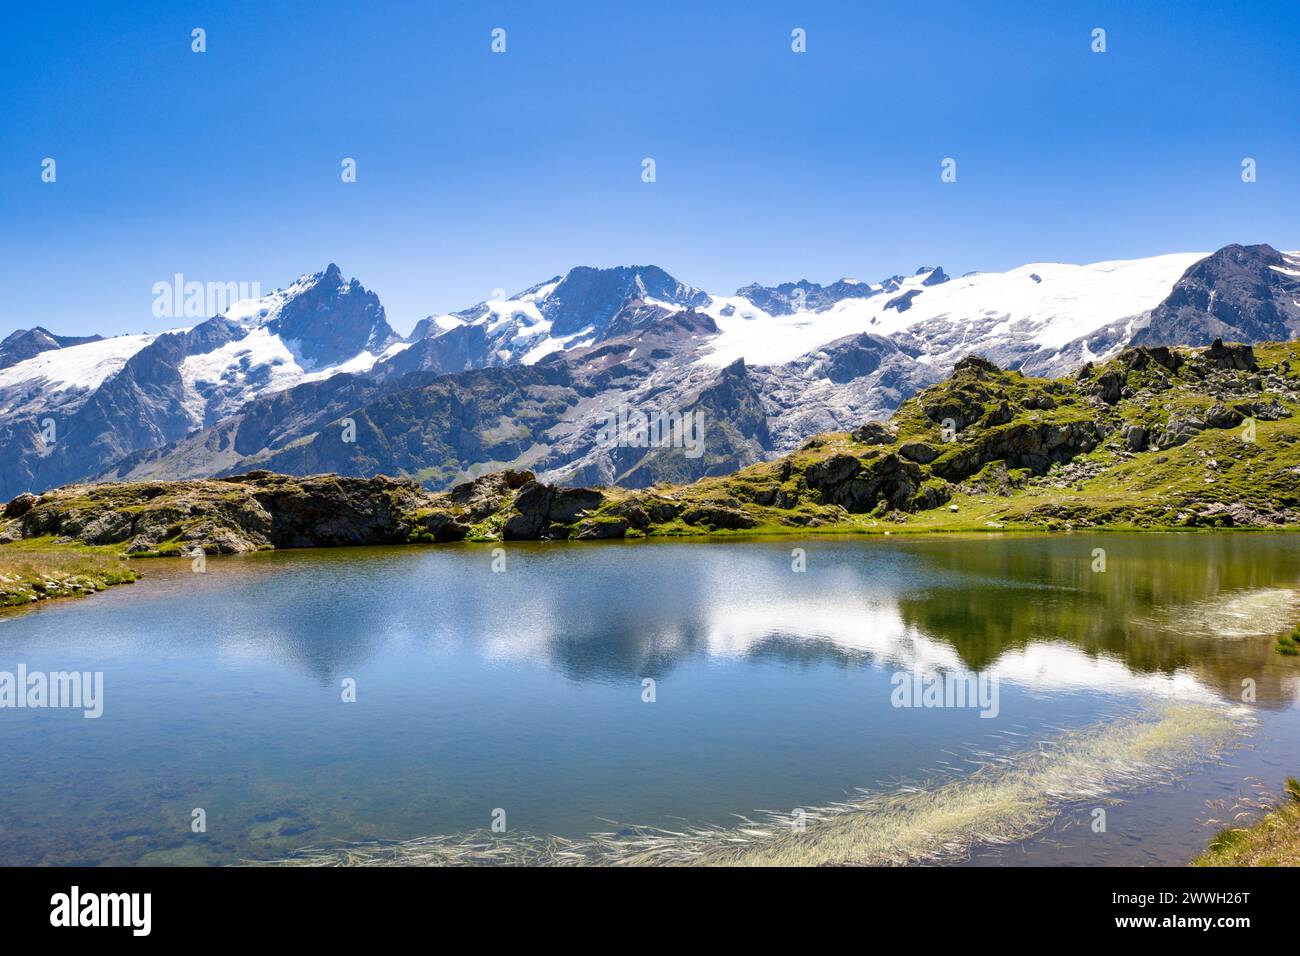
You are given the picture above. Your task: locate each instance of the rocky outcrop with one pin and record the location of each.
(918, 451)
(875, 433)
(1180, 429)
(244, 513)
(545, 511)
(1032, 445)
(862, 485)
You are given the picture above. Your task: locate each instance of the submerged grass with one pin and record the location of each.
(1273, 839)
(1009, 798)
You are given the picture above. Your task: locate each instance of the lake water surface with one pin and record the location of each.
(523, 690)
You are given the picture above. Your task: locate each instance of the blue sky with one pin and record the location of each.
(479, 170)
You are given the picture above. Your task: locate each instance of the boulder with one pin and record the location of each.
(485, 495)
(592, 529)
(717, 516)
(1033, 445)
(22, 504)
(523, 527)
(568, 503)
(1109, 387)
(832, 471)
(1239, 357)
(1270, 411)
(999, 414)
(107, 528)
(875, 433)
(543, 510)
(1221, 416)
(444, 527)
(890, 479)
(1135, 438)
(932, 494)
(918, 451)
(1179, 430)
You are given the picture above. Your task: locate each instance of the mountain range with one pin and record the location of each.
(312, 378)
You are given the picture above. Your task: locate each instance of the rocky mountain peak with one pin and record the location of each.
(330, 319)
(1239, 293)
(589, 296)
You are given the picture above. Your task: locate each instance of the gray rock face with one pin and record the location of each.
(833, 471)
(1109, 387)
(721, 515)
(334, 320)
(599, 530)
(1032, 445)
(866, 484)
(1269, 411)
(1240, 293)
(1239, 357)
(541, 507)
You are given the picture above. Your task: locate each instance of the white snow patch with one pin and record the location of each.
(265, 309)
(1070, 301)
(256, 365)
(78, 366)
(553, 343)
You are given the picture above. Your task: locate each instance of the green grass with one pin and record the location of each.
(1289, 644)
(36, 570)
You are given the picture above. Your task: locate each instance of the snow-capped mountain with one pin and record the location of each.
(526, 380)
(106, 398)
(564, 313)
(1023, 316)
(27, 343)
(318, 326)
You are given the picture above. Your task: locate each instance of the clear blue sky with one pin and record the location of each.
(478, 171)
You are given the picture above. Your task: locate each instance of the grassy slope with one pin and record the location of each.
(35, 570)
(1149, 490)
